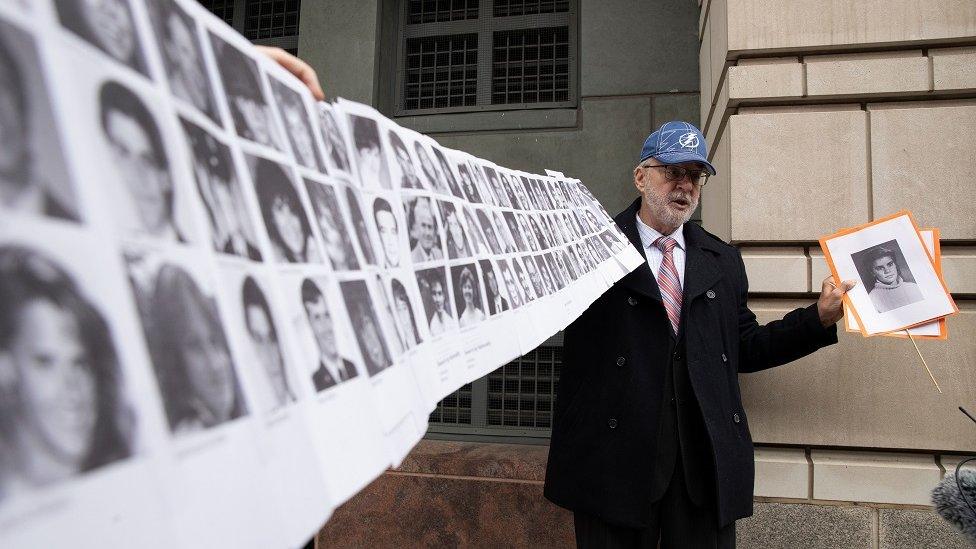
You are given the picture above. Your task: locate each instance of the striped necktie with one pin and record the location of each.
(668, 281)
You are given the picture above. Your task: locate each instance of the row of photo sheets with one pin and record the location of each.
(897, 265)
(231, 307)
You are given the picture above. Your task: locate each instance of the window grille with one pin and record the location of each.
(436, 11)
(505, 8)
(442, 71)
(271, 18)
(521, 393)
(470, 55)
(515, 400)
(530, 66)
(223, 9)
(454, 409)
(264, 22)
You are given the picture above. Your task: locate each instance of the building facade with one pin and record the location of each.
(819, 115)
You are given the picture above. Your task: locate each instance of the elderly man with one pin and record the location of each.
(650, 442)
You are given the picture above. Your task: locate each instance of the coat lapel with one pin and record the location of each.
(641, 279)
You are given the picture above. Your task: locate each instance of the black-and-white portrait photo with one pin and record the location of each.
(433, 176)
(33, 176)
(539, 234)
(231, 229)
(467, 295)
(494, 297)
(478, 242)
(489, 231)
(410, 178)
(187, 345)
(526, 230)
(284, 217)
(467, 183)
(532, 268)
(266, 347)
(437, 304)
(447, 172)
(524, 280)
(488, 192)
(403, 311)
(359, 226)
(332, 368)
(246, 98)
(107, 25)
(516, 231)
(425, 240)
(179, 46)
(508, 278)
(370, 159)
(136, 148)
(298, 125)
(545, 273)
(336, 153)
(366, 326)
(62, 409)
(457, 243)
(886, 276)
(505, 238)
(503, 188)
(333, 226)
(388, 229)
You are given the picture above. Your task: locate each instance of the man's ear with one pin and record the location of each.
(639, 179)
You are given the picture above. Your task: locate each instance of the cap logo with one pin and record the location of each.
(689, 140)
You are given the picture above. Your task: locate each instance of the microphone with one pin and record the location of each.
(954, 497)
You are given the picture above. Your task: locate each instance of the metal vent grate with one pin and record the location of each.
(505, 8)
(454, 409)
(522, 393)
(438, 11)
(271, 18)
(223, 9)
(530, 66)
(441, 71)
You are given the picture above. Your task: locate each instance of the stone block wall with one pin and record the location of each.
(821, 115)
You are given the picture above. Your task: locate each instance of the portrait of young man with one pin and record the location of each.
(650, 441)
(332, 367)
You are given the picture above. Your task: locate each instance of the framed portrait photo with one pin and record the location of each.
(937, 329)
(898, 285)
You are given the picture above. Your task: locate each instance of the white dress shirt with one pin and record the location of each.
(654, 254)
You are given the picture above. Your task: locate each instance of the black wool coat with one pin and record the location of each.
(609, 399)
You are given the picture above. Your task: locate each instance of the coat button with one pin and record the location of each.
(736, 418)
(621, 361)
(631, 300)
(724, 358)
(710, 294)
(612, 423)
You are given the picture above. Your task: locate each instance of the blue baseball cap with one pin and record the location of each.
(676, 142)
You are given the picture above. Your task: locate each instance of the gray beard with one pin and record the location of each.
(661, 212)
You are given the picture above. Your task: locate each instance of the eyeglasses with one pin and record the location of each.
(675, 174)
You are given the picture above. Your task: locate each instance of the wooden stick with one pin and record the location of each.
(923, 361)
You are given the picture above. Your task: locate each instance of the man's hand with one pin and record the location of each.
(296, 66)
(830, 306)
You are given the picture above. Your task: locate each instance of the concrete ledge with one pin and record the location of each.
(867, 73)
(954, 68)
(776, 270)
(782, 473)
(874, 477)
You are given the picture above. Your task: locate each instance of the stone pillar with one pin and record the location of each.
(820, 115)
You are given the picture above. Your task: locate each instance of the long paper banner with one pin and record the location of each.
(224, 308)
